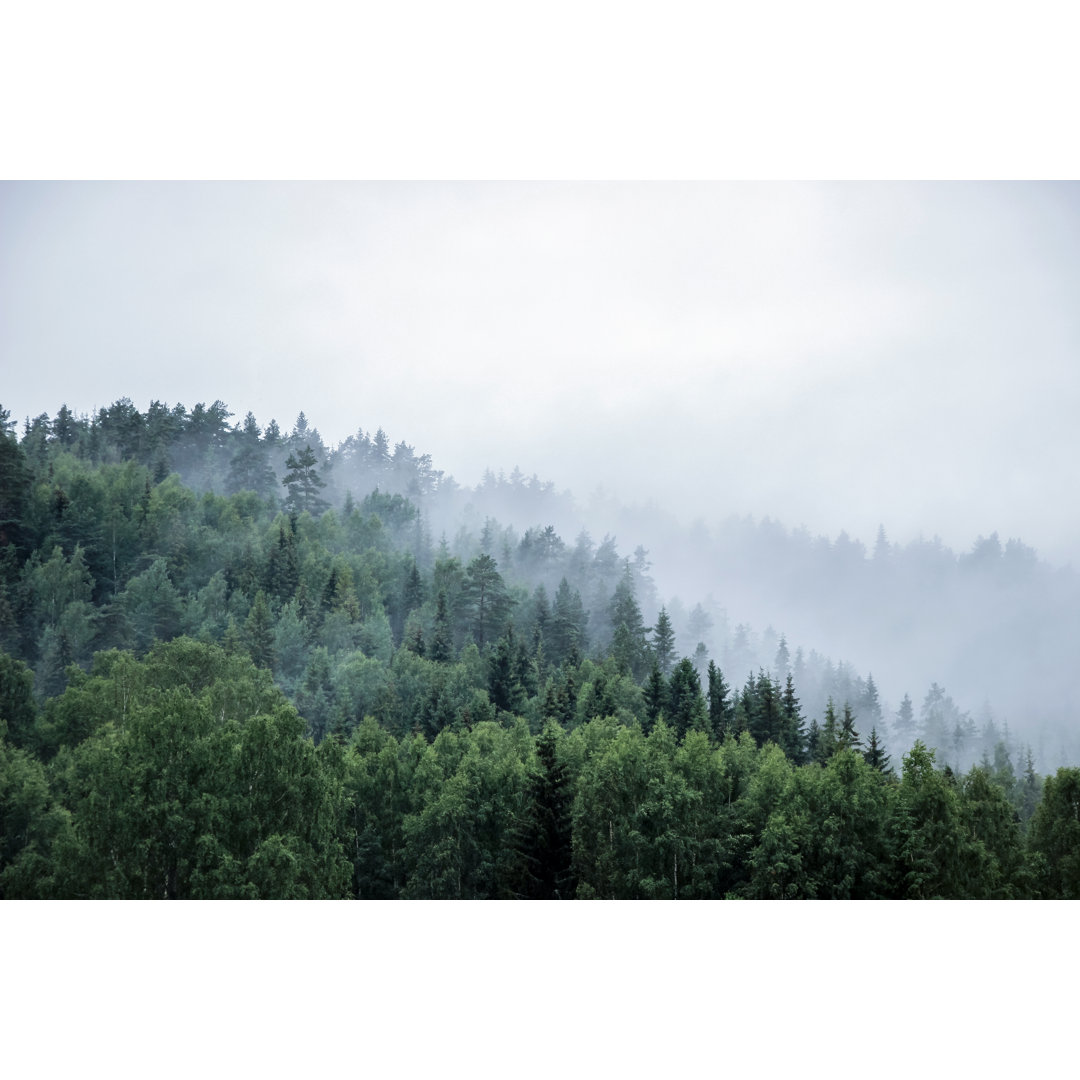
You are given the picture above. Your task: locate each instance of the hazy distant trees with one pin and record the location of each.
(456, 722)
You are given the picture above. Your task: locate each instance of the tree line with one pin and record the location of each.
(253, 692)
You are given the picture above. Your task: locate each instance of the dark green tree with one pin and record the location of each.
(875, 755)
(442, 635)
(848, 737)
(663, 642)
(655, 695)
(1054, 835)
(567, 633)
(487, 597)
(545, 836)
(259, 632)
(793, 726)
(304, 483)
(250, 468)
(629, 646)
(720, 709)
(686, 703)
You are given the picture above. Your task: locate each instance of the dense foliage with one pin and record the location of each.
(223, 676)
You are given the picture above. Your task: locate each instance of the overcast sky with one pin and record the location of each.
(830, 355)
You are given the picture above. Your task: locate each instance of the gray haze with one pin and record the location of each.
(680, 356)
(837, 355)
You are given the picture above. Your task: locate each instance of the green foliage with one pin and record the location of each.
(663, 642)
(355, 712)
(1055, 836)
(303, 483)
(195, 781)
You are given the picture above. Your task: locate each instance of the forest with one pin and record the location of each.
(238, 663)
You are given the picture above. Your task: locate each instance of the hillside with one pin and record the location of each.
(241, 663)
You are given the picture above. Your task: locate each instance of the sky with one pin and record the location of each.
(834, 355)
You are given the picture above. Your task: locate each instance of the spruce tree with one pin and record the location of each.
(663, 642)
(441, 639)
(629, 643)
(848, 737)
(304, 483)
(794, 730)
(655, 695)
(875, 755)
(259, 632)
(543, 840)
(686, 702)
(720, 708)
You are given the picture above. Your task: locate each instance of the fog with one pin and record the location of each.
(833, 357)
(839, 356)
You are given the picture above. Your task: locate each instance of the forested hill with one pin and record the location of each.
(238, 663)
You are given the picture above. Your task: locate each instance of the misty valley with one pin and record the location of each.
(236, 662)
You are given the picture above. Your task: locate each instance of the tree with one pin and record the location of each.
(848, 738)
(200, 785)
(663, 643)
(504, 677)
(442, 635)
(793, 731)
(544, 837)
(655, 696)
(720, 708)
(934, 853)
(904, 722)
(14, 488)
(629, 646)
(304, 483)
(259, 632)
(250, 467)
(686, 703)
(17, 708)
(152, 605)
(875, 755)
(487, 597)
(829, 740)
(1055, 835)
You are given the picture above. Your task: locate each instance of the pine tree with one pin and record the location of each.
(782, 663)
(905, 723)
(304, 483)
(488, 599)
(663, 642)
(848, 738)
(568, 624)
(829, 740)
(629, 647)
(259, 632)
(766, 717)
(793, 741)
(283, 568)
(442, 636)
(655, 695)
(543, 841)
(504, 677)
(875, 755)
(720, 709)
(685, 699)
(250, 467)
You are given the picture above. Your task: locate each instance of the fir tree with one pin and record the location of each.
(441, 639)
(663, 643)
(793, 741)
(720, 709)
(875, 755)
(655, 695)
(848, 738)
(304, 483)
